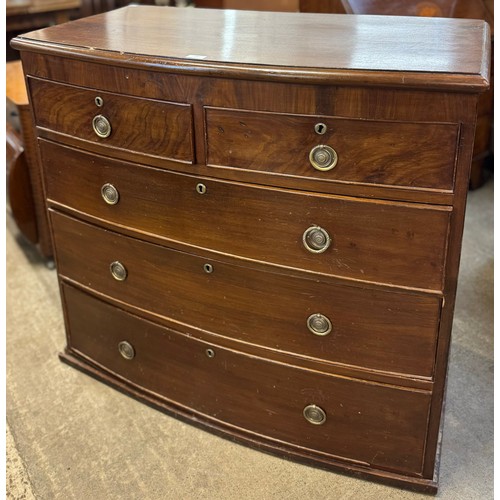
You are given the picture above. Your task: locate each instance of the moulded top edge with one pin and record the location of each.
(390, 50)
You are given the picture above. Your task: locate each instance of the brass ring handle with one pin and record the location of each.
(101, 126)
(126, 349)
(323, 158)
(110, 194)
(118, 271)
(319, 324)
(316, 239)
(314, 415)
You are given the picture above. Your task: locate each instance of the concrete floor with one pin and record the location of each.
(70, 437)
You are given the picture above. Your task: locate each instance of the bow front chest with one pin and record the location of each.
(257, 219)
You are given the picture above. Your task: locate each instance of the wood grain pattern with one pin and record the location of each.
(396, 237)
(469, 9)
(371, 329)
(70, 110)
(367, 50)
(350, 102)
(374, 152)
(385, 242)
(346, 99)
(239, 435)
(373, 424)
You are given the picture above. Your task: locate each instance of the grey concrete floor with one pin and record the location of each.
(71, 437)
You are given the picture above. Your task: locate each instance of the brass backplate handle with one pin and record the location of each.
(316, 239)
(118, 271)
(314, 414)
(110, 194)
(126, 350)
(323, 157)
(101, 126)
(319, 324)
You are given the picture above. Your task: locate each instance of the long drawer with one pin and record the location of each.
(146, 126)
(370, 329)
(392, 243)
(372, 424)
(395, 153)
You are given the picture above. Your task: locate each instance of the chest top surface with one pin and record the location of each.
(383, 49)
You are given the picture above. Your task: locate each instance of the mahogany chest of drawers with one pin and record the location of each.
(257, 219)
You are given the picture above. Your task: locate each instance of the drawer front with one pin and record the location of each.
(372, 329)
(374, 241)
(413, 155)
(146, 126)
(377, 425)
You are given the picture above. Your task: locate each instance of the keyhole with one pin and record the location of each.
(320, 128)
(201, 188)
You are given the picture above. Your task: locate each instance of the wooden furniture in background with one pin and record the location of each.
(19, 194)
(26, 15)
(92, 7)
(264, 242)
(210, 4)
(322, 6)
(25, 189)
(461, 9)
(31, 14)
(270, 5)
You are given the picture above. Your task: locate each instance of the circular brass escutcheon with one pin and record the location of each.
(208, 268)
(323, 158)
(320, 128)
(316, 239)
(101, 126)
(110, 194)
(99, 101)
(314, 414)
(210, 353)
(201, 188)
(126, 349)
(118, 270)
(319, 324)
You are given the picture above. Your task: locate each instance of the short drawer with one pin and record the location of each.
(372, 424)
(414, 155)
(393, 243)
(147, 126)
(368, 329)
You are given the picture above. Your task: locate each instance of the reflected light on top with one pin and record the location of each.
(228, 35)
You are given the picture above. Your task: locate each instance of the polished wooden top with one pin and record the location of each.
(373, 49)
